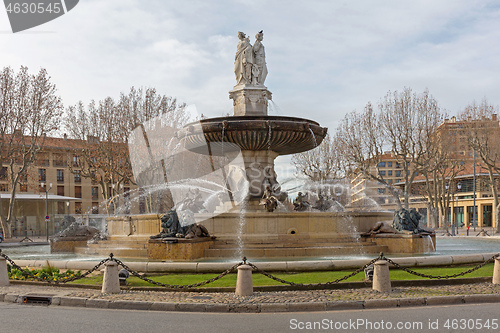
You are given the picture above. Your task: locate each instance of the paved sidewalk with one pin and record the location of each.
(278, 301)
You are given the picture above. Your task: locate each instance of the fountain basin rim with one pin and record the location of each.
(253, 118)
(283, 135)
(326, 264)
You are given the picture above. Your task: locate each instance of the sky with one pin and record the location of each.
(324, 58)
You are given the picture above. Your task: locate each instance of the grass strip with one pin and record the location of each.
(305, 277)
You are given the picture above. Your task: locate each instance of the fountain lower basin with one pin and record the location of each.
(262, 236)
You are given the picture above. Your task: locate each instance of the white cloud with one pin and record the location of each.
(325, 58)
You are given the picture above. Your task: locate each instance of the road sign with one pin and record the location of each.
(46, 217)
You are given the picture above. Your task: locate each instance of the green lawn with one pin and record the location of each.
(307, 277)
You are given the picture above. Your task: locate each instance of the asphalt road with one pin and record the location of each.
(459, 318)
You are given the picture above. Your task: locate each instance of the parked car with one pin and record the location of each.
(1, 236)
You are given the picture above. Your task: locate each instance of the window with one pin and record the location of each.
(93, 177)
(23, 177)
(398, 173)
(60, 190)
(389, 173)
(58, 160)
(78, 207)
(4, 187)
(78, 176)
(78, 191)
(381, 190)
(43, 159)
(42, 175)
(60, 175)
(3, 173)
(398, 165)
(95, 193)
(23, 187)
(381, 164)
(76, 161)
(389, 164)
(382, 173)
(389, 181)
(95, 208)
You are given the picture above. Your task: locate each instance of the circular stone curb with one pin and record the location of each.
(263, 307)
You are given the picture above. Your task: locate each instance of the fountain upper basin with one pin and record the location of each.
(283, 135)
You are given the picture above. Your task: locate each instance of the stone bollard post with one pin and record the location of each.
(496, 271)
(110, 282)
(4, 273)
(381, 277)
(244, 284)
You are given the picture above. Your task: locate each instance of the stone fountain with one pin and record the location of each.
(243, 227)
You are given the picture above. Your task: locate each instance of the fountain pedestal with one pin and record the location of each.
(250, 100)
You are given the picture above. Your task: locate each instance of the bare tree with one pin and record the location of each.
(103, 131)
(362, 145)
(30, 110)
(483, 136)
(101, 146)
(441, 170)
(322, 163)
(404, 125)
(410, 122)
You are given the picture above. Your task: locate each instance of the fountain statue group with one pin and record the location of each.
(250, 60)
(405, 221)
(179, 222)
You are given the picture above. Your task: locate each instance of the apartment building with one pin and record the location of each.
(54, 186)
(471, 199)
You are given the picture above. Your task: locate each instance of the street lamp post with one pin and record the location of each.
(447, 187)
(459, 187)
(46, 208)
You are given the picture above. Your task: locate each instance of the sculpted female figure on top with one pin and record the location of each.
(250, 61)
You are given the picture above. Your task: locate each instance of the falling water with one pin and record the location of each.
(222, 142)
(239, 232)
(273, 107)
(313, 137)
(428, 244)
(269, 137)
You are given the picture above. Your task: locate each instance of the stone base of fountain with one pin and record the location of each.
(74, 236)
(405, 243)
(68, 244)
(259, 235)
(178, 249)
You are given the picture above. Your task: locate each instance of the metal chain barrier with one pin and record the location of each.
(275, 278)
(254, 267)
(176, 286)
(65, 280)
(410, 271)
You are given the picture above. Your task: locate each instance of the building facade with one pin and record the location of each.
(470, 199)
(54, 186)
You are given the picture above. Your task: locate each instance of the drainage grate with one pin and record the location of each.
(37, 300)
